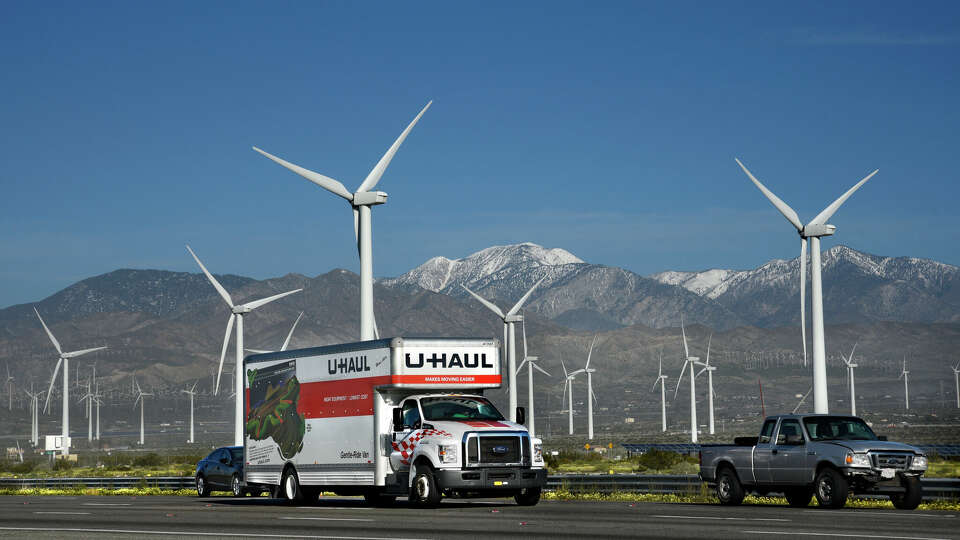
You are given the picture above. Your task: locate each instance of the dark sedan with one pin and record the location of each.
(222, 470)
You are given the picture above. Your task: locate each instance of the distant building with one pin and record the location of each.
(629, 420)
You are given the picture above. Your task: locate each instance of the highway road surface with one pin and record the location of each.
(349, 518)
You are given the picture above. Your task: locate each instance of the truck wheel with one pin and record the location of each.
(203, 489)
(528, 497)
(798, 496)
(236, 486)
(290, 489)
(424, 491)
(831, 488)
(729, 490)
(909, 499)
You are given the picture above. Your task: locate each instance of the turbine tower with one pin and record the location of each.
(568, 391)
(531, 363)
(905, 375)
(591, 397)
(509, 319)
(88, 397)
(662, 381)
(362, 200)
(34, 415)
(813, 230)
(237, 313)
(285, 342)
(65, 360)
(850, 366)
(956, 381)
(709, 369)
(140, 395)
(692, 361)
(192, 392)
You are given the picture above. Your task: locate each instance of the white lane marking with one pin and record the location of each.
(327, 519)
(334, 508)
(722, 518)
(195, 533)
(891, 513)
(108, 504)
(67, 513)
(838, 535)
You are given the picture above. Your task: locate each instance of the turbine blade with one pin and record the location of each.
(52, 380)
(490, 305)
(679, 379)
(660, 369)
(540, 369)
(563, 398)
(257, 351)
(524, 298)
(356, 227)
(523, 326)
(853, 349)
(325, 182)
(565, 374)
(223, 351)
(783, 207)
(521, 366)
(709, 340)
(700, 372)
(74, 354)
(257, 303)
(49, 333)
(216, 284)
(803, 297)
(822, 217)
(590, 352)
(654, 387)
(371, 180)
(290, 335)
(686, 351)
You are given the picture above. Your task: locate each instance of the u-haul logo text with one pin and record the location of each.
(442, 360)
(351, 364)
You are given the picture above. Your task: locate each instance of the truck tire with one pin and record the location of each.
(909, 499)
(528, 497)
(203, 488)
(798, 496)
(290, 489)
(236, 486)
(424, 491)
(831, 488)
(729, 490)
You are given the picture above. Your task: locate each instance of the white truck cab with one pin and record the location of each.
(386, 418)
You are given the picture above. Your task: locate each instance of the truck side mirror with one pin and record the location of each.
(397, 419)
(521, 415)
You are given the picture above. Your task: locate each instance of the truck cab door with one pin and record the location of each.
(787, 465)
(401, 453)
(764, 452)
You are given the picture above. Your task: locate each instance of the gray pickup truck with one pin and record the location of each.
(829, 456)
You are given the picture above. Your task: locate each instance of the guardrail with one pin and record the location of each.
(933, 488)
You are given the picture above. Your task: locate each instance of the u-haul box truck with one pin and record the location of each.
(385, 418)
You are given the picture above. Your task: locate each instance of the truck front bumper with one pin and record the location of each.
(494, 478)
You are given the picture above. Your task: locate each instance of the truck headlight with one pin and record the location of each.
(538, 452)
(448, 453)
(919, 463)
(858, 460)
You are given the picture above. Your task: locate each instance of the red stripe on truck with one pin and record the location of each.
(344, 397)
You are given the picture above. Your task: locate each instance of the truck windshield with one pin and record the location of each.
(838, 428)
(459, 408)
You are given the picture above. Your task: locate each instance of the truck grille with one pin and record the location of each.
(892, 460)
(495, 450)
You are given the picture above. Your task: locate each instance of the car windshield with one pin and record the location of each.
(236, 454)
(838, 428)
(459, 408)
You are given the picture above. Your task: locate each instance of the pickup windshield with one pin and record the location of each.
(838, 428)
(459, 408)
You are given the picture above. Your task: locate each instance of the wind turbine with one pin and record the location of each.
(88, 397)
(804, 398)
(19, 451)
(192, 392)
(709, 369)
(140, 395)
(568, 391)
(285, 342)
(692, 361)
(813, 230)
(531, 362)
(850, 365)
(662, 381)
(237, 313)
(96, 400)
(362, 200)
(956, 381)
(591, 397)
(65, 360)
(905, 375)
(34, 415)
(509, 319)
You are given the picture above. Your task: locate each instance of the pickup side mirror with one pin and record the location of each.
(521, 415)
(397, 419)
(881, 437)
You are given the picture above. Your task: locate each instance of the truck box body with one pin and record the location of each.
(328, 411)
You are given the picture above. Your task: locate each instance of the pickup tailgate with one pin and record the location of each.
(714, 455)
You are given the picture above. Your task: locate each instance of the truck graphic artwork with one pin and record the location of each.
(274, 392)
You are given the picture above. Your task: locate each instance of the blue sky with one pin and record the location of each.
(608, 129)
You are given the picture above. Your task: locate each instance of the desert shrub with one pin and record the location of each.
(63, 465)
(658, 460)
(148, 460)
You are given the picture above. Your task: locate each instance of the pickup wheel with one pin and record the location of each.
(911, 497)
(528, 497)
(424, 491)
(799, 496)
(831, 488)
(729, 490)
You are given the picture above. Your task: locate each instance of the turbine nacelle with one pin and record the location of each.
(811, 230)
(369, 198)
